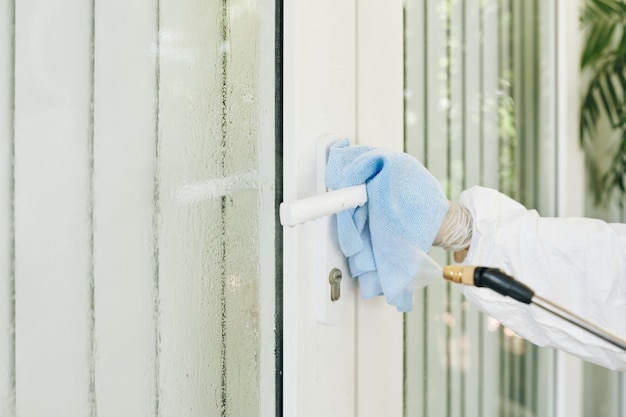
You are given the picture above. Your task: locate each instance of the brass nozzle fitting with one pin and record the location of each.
(461, 274)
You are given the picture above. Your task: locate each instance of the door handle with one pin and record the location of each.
(325, 204)
(330, 294)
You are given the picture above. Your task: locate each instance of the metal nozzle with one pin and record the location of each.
(504, 284)
(461, 274)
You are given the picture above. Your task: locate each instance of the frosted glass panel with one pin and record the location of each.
(137, 259)
(474, 115)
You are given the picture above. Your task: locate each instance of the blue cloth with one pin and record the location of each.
(404, 210)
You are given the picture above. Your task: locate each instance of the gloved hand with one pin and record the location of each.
(384, 239)
(455, 233)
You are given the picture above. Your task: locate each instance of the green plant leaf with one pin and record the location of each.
(604, 56)
(607, 7)
(599, 41)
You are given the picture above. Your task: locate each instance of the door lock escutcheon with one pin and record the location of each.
(334, 278)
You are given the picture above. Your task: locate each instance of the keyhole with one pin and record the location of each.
(335, 284)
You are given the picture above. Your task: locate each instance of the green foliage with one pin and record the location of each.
(604, 56)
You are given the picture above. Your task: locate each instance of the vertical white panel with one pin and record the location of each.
(489, 66)
(414, 124)
(526, 55)
(546, 102)
(603, 384)
(457, 336)
(569, 374)
(190, 231)
(379, 123)
(458, 78)
(568, 380)
(319, 97)
(571, 171)
(124, 157)
(508, 136)
(52, 208)
(490, 89)
(474, 374)
(270, 339)
(7, 313)
(622, 395)
(473, 94)
(380, 74)
(437, 137)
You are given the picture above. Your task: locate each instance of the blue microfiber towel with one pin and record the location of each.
(404, 211)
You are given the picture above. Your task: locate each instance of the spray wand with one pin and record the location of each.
(506, 285)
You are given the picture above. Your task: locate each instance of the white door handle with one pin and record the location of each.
(311, 208)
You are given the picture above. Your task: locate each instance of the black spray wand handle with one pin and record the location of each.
(504, 284)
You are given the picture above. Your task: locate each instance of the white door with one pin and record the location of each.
(342, 75)
(482, 92)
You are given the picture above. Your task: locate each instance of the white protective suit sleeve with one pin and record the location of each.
(577, 263)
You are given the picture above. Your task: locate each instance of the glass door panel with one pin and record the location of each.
(479, 110)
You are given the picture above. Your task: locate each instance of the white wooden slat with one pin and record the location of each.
(269, 327)
(414, 372)
(473, 98)
(457, 336)
(491, 87)
(457, 105)
(526, 55)
(190, 232)
(571, 163)
(414, 125)
(415, 27)
(486, 151)
(7, 313)
(124, 163)
(604, 400)
(437, 344)
(569, 375)
(52, 208)
(437, 136)
(472, 175)
(547, 118)
(491, 372)
(319, 97)
(622, 395)
(379, 123)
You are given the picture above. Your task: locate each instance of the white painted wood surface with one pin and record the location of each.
(570, 196)
(125, 46)
(474, 321)
(493, 373)
(7, 312)
(267, 177)
(53, 233)
(380, 99)
(436, 160)
(318, 98)
(415, 366)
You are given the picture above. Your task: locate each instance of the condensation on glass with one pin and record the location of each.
(137, 208)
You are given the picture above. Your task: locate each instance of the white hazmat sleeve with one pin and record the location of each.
(577, 263)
